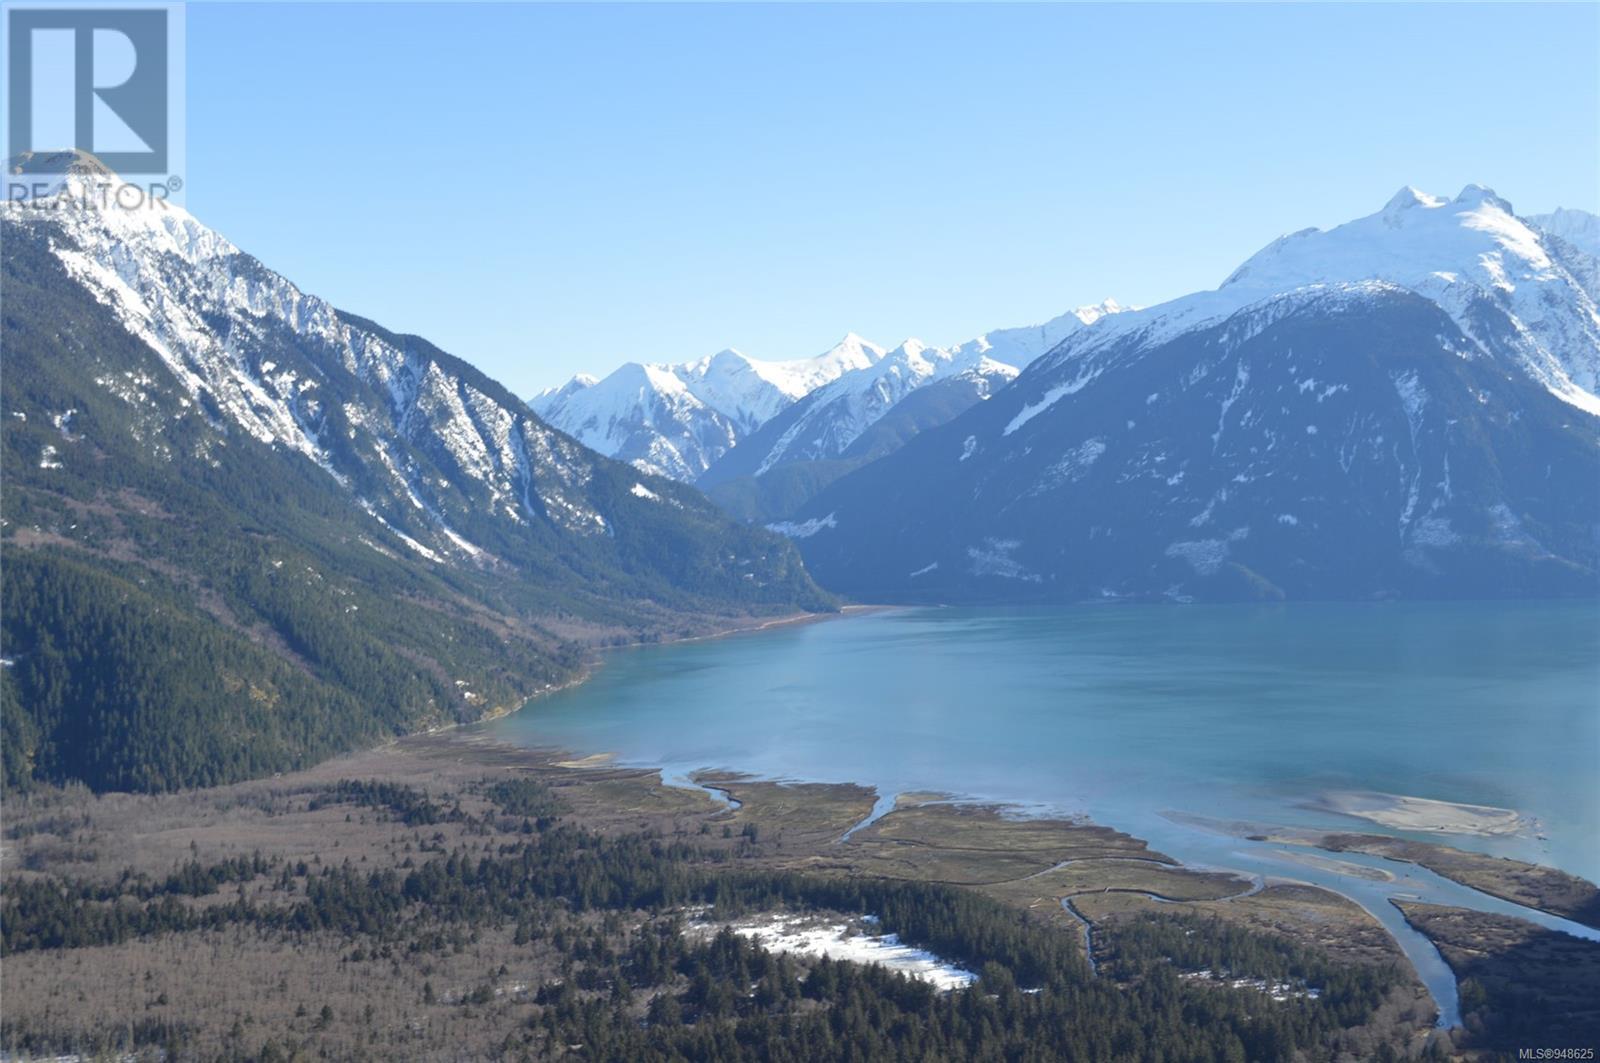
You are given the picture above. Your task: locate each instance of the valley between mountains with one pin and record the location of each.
(266, 561)
(1403, 406)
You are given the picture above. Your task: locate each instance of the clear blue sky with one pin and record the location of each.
(548, 189)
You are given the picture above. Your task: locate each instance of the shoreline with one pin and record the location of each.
(1023, 857)
(596, 656)
(356, 810)
(788, 620)
(1478, 880)
(1477, 872)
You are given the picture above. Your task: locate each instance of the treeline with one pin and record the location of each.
(407, 804)
(117, 680)
(637, 985)
(528, 798)
(729, 999)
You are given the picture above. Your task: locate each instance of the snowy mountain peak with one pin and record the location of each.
(1090, 314)
(1491, 271)
(854, 351)
(911, 347)
(59, 164)
(1018, 347)
(729, 358)
(1396, 405)
(1577, 227)
(1417, 241)
(1475, 195)
(95, 206)
(1407, 198)
(676, 419)
(576, 384)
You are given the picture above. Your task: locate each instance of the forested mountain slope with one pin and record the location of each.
(243, 530)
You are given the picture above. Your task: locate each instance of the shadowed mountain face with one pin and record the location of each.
(1304, 431)
(244, 529)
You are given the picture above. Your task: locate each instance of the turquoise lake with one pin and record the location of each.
(1128, 715)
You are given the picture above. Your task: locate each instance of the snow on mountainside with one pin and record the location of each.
(1471, 255)
(244, 530)
(870, 412)
(837, 413)
(824, 424)
(1402, 405)
(686, 420)
(170, 281)
(433, 452)
(833, 417)
(1573, 238)
(1578, 227)
(1018, 347)
(676, 420)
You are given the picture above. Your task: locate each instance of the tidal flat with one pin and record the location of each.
(425, 798)
(1306, 721)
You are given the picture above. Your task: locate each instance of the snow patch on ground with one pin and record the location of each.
(1279, 991)
(1073, 466)
(1241, 378)
(1205, 556)
(1050, 398)
(993, 558)
(1433, 531)
(804, 529)
(806, 936)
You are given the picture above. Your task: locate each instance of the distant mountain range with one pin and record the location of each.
(244, 529)
(676, 420)
(1404, 405)
(762, 437)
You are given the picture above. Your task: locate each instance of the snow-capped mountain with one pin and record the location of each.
(1572, 237)
(381, 516)
(1471, 255)
(1405, 404)
(1018, 347)
(729, 417)
(1577, 227)
(830, 419)
(826, 422)
(251, 354)
(676, 420)
(870, 412)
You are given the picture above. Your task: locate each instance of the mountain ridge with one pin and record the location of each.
(682, 419)
(1153, 454)
(366, 534)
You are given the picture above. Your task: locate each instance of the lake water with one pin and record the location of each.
(1130, 714)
